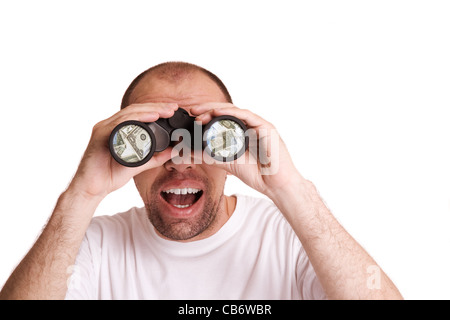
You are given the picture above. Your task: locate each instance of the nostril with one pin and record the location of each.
(177, 164)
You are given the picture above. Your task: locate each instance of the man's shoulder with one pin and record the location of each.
(116, 225)
(262, 213)
(263, 220)
(119, 218)
(256, 205)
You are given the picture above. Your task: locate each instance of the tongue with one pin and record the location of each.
(180, 199)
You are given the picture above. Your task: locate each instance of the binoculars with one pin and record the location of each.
(133, 143)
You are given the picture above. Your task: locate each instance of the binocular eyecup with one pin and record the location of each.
(133, 143)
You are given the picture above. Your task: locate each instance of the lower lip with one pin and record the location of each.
(181, 213)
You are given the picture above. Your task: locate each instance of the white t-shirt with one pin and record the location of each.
(255, 255)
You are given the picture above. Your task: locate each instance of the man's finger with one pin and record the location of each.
(205, 107)
(165, 110)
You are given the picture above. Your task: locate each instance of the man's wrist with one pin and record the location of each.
(299, 197)
(77, 205)
(296, 184)
(86, 190)
(78, 193)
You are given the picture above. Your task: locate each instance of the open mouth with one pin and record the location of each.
(182, 198)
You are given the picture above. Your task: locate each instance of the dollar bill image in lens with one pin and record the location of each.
(132, 143)
(225, 138)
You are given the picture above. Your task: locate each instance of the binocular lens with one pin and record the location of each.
(131, 143)
(225, 140)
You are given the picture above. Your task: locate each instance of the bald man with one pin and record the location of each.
(189, 240)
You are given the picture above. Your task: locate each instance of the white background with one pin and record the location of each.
(358, 89)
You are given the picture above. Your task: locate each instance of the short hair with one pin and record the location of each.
(173, 71)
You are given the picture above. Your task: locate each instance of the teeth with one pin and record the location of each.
(182, 191)
(182, 206)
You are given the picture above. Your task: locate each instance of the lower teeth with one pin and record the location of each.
(182, 206)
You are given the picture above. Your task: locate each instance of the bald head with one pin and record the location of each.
(173, 73)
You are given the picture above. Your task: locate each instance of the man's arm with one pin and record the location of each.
(44, 271)
(340, 263)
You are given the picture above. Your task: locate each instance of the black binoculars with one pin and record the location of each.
(133, 143)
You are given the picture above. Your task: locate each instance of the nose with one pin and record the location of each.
(180, 164)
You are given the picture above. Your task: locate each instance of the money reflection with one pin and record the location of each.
(225, 138)
(132, 143)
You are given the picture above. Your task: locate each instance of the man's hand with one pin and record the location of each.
(328, 245)
(267, 165)
(98, 173)
(42, 274)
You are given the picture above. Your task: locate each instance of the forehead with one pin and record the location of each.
(188, 90)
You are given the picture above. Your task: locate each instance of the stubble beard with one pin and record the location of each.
(185, 229)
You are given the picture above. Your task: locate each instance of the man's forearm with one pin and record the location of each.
(341, 264)
(43, 273)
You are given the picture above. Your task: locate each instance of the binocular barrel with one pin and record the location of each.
(133, 143)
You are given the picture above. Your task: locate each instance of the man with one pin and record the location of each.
(191, 241)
